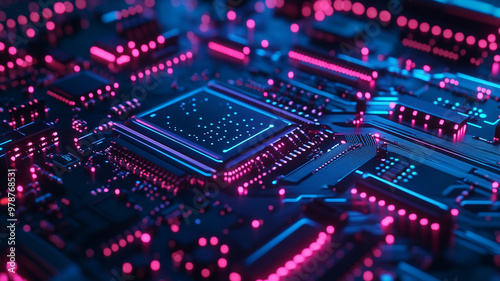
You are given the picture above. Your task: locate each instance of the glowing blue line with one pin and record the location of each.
(109, 17)
(5, 142)
(386, 98)
(422, 76)
(354, 60)
(483, 240)
(474, 125)
(236, 145)
(159, 133)
(480, 81)
(332, 200)
(476, 202)
(420, 275)
(411, 192)
(492, 123)
(378, 103)
(377, 112)
(271, 244)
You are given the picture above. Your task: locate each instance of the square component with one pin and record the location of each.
(202, 129)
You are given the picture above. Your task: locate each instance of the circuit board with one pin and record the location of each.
(249, 140)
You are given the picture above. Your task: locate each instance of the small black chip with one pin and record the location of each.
(79, 87)
(66, 161)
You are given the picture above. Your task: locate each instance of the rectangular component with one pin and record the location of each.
(201, 130)
(81, 88)
(229, 49)
(415, 112)
(27, 140)
(403, 198)
(332, 67)
(338, 29)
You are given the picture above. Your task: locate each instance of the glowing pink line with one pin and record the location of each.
(226, 51)
(96, 51)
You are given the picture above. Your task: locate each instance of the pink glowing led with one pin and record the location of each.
(412, 217)
(358, 8)
(389, 239)
(127, 268)
(255, 224)
(155, 265)
(145, 238)
(282, 191)
(402, 21)
(264, 43)
(454, 212)
(202, 241)
(435, 226)
(224, 249)
(294, 28)
(330, 229)
(233, 276)
(222, 263)
(436, 30)
(251, 23)
(231, 15)
(214, 240)
(205, 272)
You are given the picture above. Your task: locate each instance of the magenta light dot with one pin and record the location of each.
(255, 223)
(214, 240)
(234, 276)
(145, 237)
(155, 265)
(389, 239)
(202, 241)
(127, 268)
(330, 229)
(231, 15)
(294, 28)
(250, 23)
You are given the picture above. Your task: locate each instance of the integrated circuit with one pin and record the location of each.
(81, 88)
(205, 125)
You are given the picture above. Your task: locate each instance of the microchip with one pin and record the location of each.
(66, 161)
(205, 125)
(337, 30)
(79, 88)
